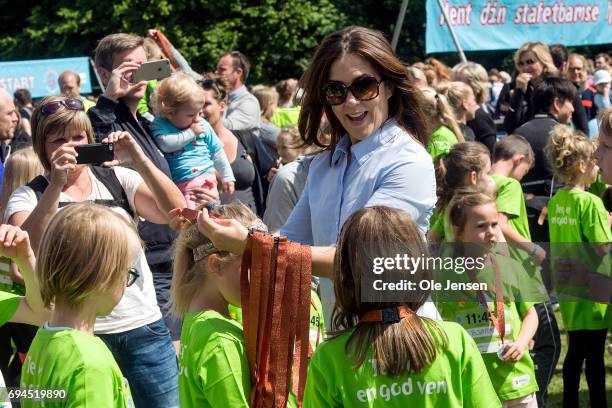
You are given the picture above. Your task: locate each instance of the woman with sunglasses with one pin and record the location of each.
(134, 330)
(378, 135)
(531, 61)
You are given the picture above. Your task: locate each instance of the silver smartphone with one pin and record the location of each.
(158, 69)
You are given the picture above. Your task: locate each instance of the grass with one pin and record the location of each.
(555, 388)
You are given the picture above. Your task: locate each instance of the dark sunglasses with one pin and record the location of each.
(52, 107)
(528, 62)
(364, 88)
(132, 276)
(206, 83)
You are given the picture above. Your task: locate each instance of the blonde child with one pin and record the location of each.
(501, 331)
(463, 103)
(441, 118)
(466, 164)
(20, 167)
(213, 365)
(84, 265)
(29, 309)
(579, 227)
(289, 144)
(512, 159)
(189, 143)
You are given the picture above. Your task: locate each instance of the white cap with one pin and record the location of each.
(601, 77)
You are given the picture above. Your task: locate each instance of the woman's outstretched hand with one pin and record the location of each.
(225, 234)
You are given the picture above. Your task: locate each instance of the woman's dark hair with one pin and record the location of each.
(547, 89)
(404, 105)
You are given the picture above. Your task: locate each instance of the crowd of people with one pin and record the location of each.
(120, 281)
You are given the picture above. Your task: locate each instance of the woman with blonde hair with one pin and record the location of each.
(532, 61)
(135, 330)
(477, 78)
(441, 118)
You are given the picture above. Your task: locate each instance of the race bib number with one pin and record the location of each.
(476, 322)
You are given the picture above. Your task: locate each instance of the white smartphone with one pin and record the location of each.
(152, 70)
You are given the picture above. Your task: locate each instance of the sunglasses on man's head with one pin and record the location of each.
(52, 107)
(364, 88)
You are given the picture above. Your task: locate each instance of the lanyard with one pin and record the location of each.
(499, 321)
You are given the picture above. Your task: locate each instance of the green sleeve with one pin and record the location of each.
(522, 307)
(224, 373)
(594, 222)
(91, 387)
(508, 199)
(8, 306)
(318, 393)
(478, 390)
(143, 104)
(438, 225)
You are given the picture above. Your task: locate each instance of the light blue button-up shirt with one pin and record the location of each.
(388, 168)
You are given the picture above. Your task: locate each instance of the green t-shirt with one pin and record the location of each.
(511, 202)
(442, 226)
(575, 217)
(598, 187)
(456, 378)
(510, 380)
(213, 364)
(285, 116)
(441, 142)
(8, 306)
(78, 363)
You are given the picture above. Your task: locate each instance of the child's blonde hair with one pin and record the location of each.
(512, 145)
(437, 108)
(453, 168)
(565, 149)
(85, 249)
(175, 91)
(475, 76)
(455, 92)
(152, 49)
(268, 100)
(409, 345)
(191, 251)
(20, 168)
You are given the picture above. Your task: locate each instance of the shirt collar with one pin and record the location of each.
(237, 92)
(379, 138)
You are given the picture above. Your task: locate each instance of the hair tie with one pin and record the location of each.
(389, 315)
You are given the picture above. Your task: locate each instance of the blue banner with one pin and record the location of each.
(495, 25)
(40, 76)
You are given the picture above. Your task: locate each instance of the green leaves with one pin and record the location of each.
(278, 36)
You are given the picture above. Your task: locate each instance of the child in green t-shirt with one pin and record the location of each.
(502, 333)
(441, 118)
(579, 227)
(15, 244)
(512, 159)
(213, 364)
(466, 164)
(84, 264)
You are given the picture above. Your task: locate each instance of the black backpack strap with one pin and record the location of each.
(39, 184)
(108, 177)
